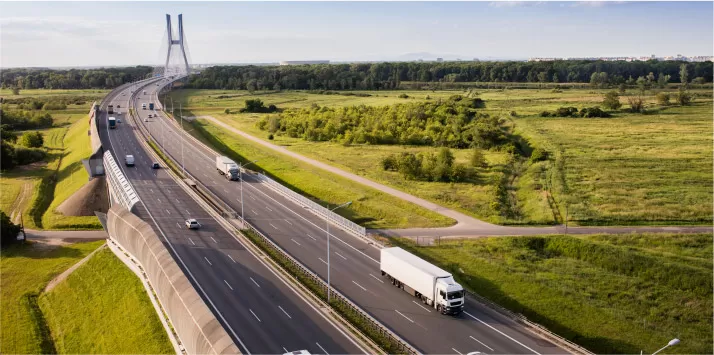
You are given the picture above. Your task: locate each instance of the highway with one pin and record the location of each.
(354, 263)
(262, 313)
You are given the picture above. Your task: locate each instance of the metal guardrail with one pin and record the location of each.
(332, 217)
(119, 187)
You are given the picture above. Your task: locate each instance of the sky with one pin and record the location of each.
(57, 34)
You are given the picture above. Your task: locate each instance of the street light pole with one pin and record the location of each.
(182, 139)
(327, 222)
(672, 342)
(240, 176)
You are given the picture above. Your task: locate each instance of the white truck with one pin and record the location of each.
(227, 167)
(434, 286)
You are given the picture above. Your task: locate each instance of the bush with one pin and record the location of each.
(24, 156)
(590, 112)
(683, 98)
(8, 230)
(227, 111)
(54, 106)
(403, 96)
(565, 112)
(478, 160)
(257, 106)
(7, 155)
(663, 98)
(514, 114)
(271, 137)
(538, 154)
(546, 114)
(32, 139)
(611, 100)
(389, 163)
(636, 104)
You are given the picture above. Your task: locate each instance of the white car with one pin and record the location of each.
(192, 224)
(298, 352)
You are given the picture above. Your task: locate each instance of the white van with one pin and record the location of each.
(129, 160)
(143, 106)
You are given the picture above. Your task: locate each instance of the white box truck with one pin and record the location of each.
(227, 167)
(434, 286)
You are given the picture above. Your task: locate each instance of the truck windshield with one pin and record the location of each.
(456, 294)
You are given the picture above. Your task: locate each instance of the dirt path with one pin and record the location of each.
(19, 205)
(466, 226)
(59, 278)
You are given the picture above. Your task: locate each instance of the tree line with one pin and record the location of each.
(454, 122)
(42, 78)
(376, 76)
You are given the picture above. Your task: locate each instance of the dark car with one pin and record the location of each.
(155, 165)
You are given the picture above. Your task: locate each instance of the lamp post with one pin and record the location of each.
(672, 342)
(327, 222)
(240, 176)
(182, 139)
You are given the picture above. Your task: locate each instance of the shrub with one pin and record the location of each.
(663, 98)
(54, 106)
(514, 114)
(32, 139)
(538, 154)
(24, 156)
(8, 230)
(683, 98)
(478, 160)
(227, 111)
(7, 155)
(566, 111)
(611, 100)
(271, 137)
(590, 112)
(545, 114)
(389, 163)
(636, 104)
(403, 96)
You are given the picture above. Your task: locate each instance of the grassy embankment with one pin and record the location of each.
(85, 313)
(117, 315)
(610, 294)
(40, 188)
(598, 160)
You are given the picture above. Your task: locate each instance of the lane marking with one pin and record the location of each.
(323, 349)
(209, 263)
(191, 241)
(294, 241)
(256, 317)
(489, 348)
(456, 351)
(273, 226)
(340, 255)
(158, 199)
(167, 211)
(376, 278)
(323, 261)
(313, 238)
(229, 286)
(424, 308)
(177, 223)
(251, 279)
(268, 208)
(214, 240)
(286, 350)
(230, 257)
(400, 313)
(177, 201)
(255, 213)
(288, 222)
(360, 286)
(152, 190)
(500, 332)
(187, 212)
(286, 313)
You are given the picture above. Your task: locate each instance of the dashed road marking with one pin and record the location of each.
(360, 286)
(294, 241)
(424, 308)
(323, 261)
(340, 255)
(376, 278)
(251, 279)
(489, 348)
(213, 240)
(229, 256)
(313, 238)
(256, 317)
(209, 263)
(286, 313)
(273, 226)
(229, 286)
(401, 314)
(190, 240)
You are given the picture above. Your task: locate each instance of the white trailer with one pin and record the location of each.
(227, 167)
(434, 286)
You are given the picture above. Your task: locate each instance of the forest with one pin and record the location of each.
(42, 78)
(377, 76)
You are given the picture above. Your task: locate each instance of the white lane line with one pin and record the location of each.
(251, 279)
(273, 226)
(489, 348)
(323, 261)
(167, 211)
(340, 255)
(224, 190)
(323, 349)
(360, 286)
(286, 350)
(152, 190)
(177, 223)
(502, 333)
(213, 240)
(424, 308)
(256, 317)
(376, 278)
(189, 239)
(313, 238)
(456, 351)
(187, 212)
(230, 257)
(209, 263)
(268, 208)
(251, 197)
(158, 200)
(288, 222)
(294, 241)
(400, 313)
(286, 313)
(229, 286)
(177, 201)
(255, 213)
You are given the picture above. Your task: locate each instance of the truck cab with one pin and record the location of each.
(449, 296)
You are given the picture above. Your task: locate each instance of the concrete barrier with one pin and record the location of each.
(198, 329)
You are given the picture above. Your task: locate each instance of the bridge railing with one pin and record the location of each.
(120, 188)
(332, 217)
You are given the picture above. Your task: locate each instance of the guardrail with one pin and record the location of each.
(332, 217)
(120, 189)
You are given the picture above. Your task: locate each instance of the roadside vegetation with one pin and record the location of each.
(608, 293)
(102, 308)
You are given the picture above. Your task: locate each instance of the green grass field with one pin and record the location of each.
(608, 293)
(117, 316)
(98, 93)
(630, 169)
(24, 271)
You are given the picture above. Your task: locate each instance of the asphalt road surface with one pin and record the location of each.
(263, 314)
(354, 263)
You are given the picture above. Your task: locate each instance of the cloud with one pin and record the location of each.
(514, 3)
(595, 3)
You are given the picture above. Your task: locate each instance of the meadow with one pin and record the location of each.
(610, 294)
(631, 169)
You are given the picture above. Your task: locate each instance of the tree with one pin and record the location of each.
(662, 80)
(611, 100)
(637, 104)
(699, 81)
(409, 166)
(15, 90)
(642, 84)
(7, 134)
(543, 77)
(32, 139)
(622, 88)
(663, 98)
(683, 97)
(555, 77)
(7, 155)
(684, 76)
(478, 160)
(8, 230)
